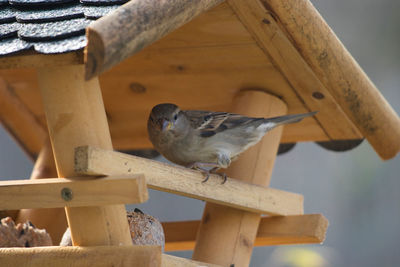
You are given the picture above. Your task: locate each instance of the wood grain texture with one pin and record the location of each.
(339, 72)
(75, 116)
(173, 261)
(187, 182)
(285, 57)
(51, 219)
(30, 59)
(99, 256)
(233, 229)
(132, 27)
(19, 121)
(275, 230)
(46, 193)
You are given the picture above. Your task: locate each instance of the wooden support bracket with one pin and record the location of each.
(186, 182)
(82, 192)
(276, 230)
(99, 256)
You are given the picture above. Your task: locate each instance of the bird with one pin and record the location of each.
(205, 140)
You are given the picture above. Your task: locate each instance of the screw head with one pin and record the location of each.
(66, 194)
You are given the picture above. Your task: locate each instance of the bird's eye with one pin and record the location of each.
(175, 117)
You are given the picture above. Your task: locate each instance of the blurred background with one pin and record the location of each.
(355, 190)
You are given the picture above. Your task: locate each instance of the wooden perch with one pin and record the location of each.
(132, 27)
(186, 182)
(60, 192)
(172, 261)
(276, 230)
(339, 73)
(99, 256)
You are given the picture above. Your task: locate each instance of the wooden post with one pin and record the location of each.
(53, 220)
(226, 235)
(75, 116)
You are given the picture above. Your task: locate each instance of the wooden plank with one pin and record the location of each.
(75, 116)
(82, 192)
(19, 121)
(272, 231)
(289, 61)
(339, 72)
(52, 219)
(232, 229)
(33, 59)
(187, 182)
(172, 261)
(99, 256)
(132, 27)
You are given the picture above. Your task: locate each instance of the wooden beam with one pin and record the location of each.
(32, 59)
(187, 182)
(19, 121)
(132, 27)
(172, 261)
(60, 192)
(99, 256)
(75, 116)
(276, 230)
(339, 72)
(233, 229)
(285, 57)
(51, 219)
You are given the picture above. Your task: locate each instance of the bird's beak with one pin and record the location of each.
(166, 125)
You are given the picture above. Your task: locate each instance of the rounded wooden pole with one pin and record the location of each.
(53, 220)
(226, 235)
(76, 117)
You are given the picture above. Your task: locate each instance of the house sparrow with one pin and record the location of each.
(200, 139)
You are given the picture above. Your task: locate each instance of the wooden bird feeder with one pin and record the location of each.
(255, 57)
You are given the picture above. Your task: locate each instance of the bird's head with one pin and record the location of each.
(165, 117)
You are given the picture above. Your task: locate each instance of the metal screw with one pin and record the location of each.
(66, 194)
(318, 95)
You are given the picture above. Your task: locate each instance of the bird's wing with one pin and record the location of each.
(210, 123)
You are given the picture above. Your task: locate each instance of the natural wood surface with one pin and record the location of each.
(75, 117)
(275, 230)
(51, 219)
(284, 55)
(187, 182)
(19, 121)
(33, 59)
(172, 261)
(47, 193)
(99, 256)
(339, 72)
(233, 229)
(132, 27)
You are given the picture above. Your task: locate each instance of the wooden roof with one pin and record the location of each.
(280, 47)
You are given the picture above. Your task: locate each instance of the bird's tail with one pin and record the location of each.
(286, 119)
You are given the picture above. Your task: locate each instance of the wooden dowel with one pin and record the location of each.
(52, 219)
(99, 256)
(276, 230)
(75, 116)
(133, 26)
(339, 72)
(232, 229)
(186, 182)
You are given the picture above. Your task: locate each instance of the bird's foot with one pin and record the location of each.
(206, 172)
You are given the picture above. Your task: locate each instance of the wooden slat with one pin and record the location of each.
(172, 261)
(33, 59)
(99, 256)
(19, 121)
(271, 39)
(186, 182)
(46, 193)
(276, 230)
(339, 72)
